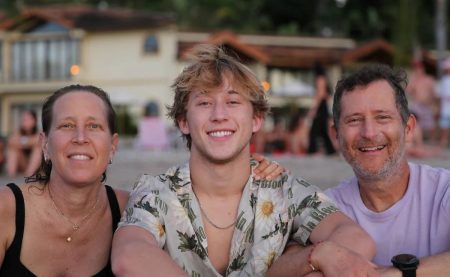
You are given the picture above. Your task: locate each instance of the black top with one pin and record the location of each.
(12, 266)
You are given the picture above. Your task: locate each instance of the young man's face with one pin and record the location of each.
(371, 134)
(220, 122)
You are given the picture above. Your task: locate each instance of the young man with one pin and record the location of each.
(404, 206)
(210, 217)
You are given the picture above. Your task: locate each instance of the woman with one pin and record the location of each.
(64, 224)
(61, 221)
(320, 116)
(24, 151)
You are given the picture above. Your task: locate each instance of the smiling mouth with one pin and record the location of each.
(80, 157)
(372, 149)
(219, 134)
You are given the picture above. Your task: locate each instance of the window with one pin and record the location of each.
(49, 59)
(151, 44)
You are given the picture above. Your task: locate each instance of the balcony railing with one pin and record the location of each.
(34, 60)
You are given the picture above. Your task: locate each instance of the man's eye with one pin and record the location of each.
(93, 126)
(203, 103)
(383, 117)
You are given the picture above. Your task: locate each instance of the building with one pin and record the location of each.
(124, 52)
(136, 55)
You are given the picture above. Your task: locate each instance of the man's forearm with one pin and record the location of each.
(436, 265)
(346, 249)
(293, 262)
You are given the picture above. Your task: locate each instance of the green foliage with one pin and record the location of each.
(404, 22)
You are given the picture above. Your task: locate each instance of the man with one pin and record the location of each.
(210, 217)
(404, 206)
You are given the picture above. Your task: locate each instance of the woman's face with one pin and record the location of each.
(79, 142)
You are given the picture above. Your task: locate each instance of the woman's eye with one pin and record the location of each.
(353, 120)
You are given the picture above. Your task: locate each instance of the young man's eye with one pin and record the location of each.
(67, 126)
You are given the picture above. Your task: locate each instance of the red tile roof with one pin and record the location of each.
(269, 54)
(88, 18)
(377, 50)
(231, 40)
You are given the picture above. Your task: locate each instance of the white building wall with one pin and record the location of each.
(117, 63)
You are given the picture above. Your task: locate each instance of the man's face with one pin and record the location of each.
(371, 134)
(220, 122)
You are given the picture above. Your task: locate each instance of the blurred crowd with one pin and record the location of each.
(309, 132)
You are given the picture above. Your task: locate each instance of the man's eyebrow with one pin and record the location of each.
(199, 93)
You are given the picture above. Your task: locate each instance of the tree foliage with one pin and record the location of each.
(404, 22)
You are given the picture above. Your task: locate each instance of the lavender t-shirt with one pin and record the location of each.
(418, 224)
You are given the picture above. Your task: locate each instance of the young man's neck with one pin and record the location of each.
(382, 194)
(219, 179)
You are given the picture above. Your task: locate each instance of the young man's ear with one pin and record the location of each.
(183, 125)
(258, 121)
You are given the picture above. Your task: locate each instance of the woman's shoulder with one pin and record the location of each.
(7, 215)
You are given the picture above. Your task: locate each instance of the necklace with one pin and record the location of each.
(75, 226)
(209, 220)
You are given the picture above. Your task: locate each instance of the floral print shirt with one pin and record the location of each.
(270, 214)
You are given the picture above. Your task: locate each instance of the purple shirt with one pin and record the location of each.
(418, 224)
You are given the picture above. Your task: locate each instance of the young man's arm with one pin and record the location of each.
(436, 265)
(135, 252)
(341, 248)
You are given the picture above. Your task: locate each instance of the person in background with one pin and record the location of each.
(320, 116)
(417, 148)
(298, 135)
(152, 133)
(444, 94)
(276, 139)
(404, 206)
(424, 100)
(23, 152)
(210, 216)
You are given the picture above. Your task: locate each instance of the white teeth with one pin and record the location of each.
(220, 133)
(80, 157)
(372, 148)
